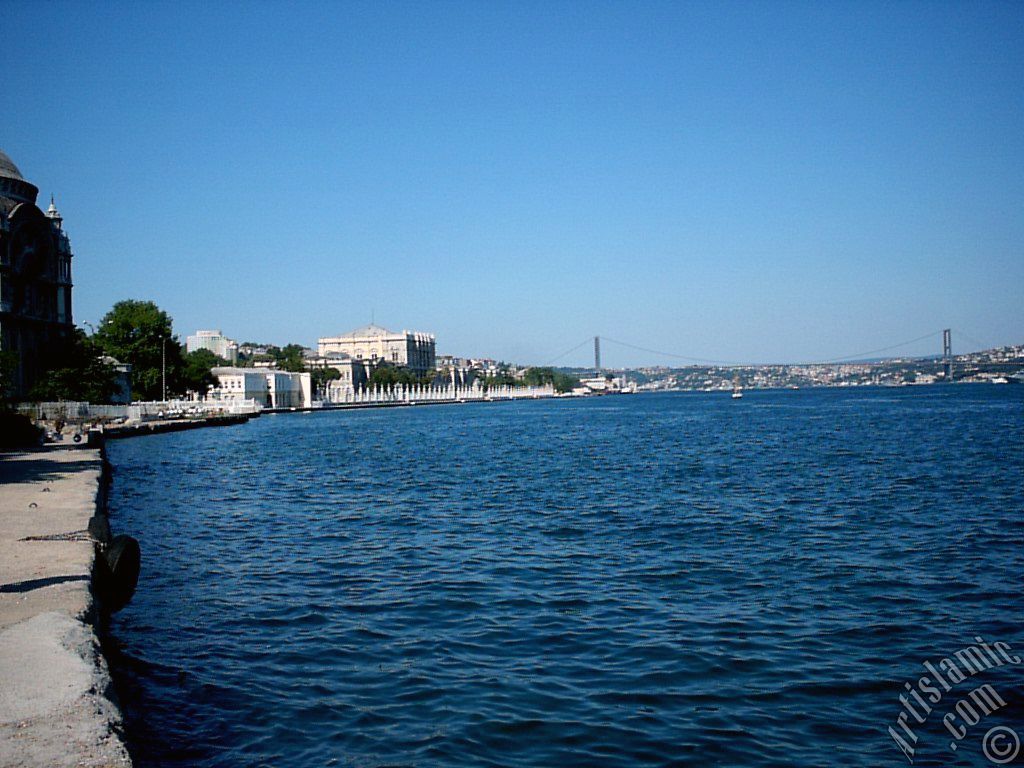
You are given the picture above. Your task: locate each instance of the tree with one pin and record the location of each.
(503, 378)
(75, 371)
(536, 377)
(290, 358)
(16, 430)
(138, 333)
(389, 376)
(322, 376)
(197, 374)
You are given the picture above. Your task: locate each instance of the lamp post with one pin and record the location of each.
(163, 365)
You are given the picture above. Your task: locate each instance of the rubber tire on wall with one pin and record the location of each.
(99, 529)
(117, 572)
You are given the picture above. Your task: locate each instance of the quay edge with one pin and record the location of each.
(57, 707)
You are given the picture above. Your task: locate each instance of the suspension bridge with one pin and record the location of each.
(945, 350)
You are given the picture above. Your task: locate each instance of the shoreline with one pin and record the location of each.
(57, 706)
(98, 434)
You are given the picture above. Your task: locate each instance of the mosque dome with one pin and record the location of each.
(12, 184)
(8, 169)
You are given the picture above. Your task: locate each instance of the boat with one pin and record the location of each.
(737, 390)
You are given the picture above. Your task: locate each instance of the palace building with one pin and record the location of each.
(373, 346)
(35, 278)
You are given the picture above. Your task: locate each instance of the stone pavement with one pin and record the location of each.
(54, 684)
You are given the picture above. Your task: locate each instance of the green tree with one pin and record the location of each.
(76, 371)
(321, 377)
(138, 333)
(197, 374)
(389, 376)
(538, 377)
(16, 430)
(502, 379)
(290, 358)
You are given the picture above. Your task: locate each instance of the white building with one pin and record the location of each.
(289, 390)
(601, 384)
(375, 345)
(269, 388)
(353, 375)
(216, 342)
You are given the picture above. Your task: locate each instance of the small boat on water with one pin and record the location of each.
(737, 390)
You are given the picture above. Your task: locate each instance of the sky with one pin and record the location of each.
(736, 181)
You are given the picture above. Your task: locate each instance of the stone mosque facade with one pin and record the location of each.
(35, 278)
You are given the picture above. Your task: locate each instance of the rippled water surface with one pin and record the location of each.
(623, 581)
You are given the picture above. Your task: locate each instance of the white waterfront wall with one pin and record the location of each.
(148, 411)
(340, 394)
(75, 411)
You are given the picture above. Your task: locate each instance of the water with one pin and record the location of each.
(622, 581)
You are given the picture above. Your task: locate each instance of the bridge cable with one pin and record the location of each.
(670, 354)
(734, 363)
(852, 358)
(981, 344)
(569, 352)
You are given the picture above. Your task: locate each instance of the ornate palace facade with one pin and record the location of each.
(35, 278)
(373, 346)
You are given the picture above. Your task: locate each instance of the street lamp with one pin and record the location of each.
(163, 365)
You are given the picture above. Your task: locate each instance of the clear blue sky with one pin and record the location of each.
(729, 180)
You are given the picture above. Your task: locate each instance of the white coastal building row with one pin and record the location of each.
(338, 394)
(269, 388)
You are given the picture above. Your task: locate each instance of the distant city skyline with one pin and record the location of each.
(755, 182)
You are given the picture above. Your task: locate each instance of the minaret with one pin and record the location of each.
(63, 263)
(54, 215)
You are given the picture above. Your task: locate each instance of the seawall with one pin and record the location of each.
(56, 705)
(174, 425)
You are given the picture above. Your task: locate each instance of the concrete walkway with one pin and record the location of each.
(54, 709)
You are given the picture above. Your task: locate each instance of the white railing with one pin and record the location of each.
(135, 412)
(72, 412)
(378, 395)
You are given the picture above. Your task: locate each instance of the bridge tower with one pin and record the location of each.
(597, 354)
(947, 354)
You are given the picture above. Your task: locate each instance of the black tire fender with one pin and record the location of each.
(117, 572)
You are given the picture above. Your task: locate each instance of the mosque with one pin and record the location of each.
(35, 278)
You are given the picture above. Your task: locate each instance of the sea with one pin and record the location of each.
(674, 579)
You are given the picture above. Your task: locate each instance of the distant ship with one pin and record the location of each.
(737, 390)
